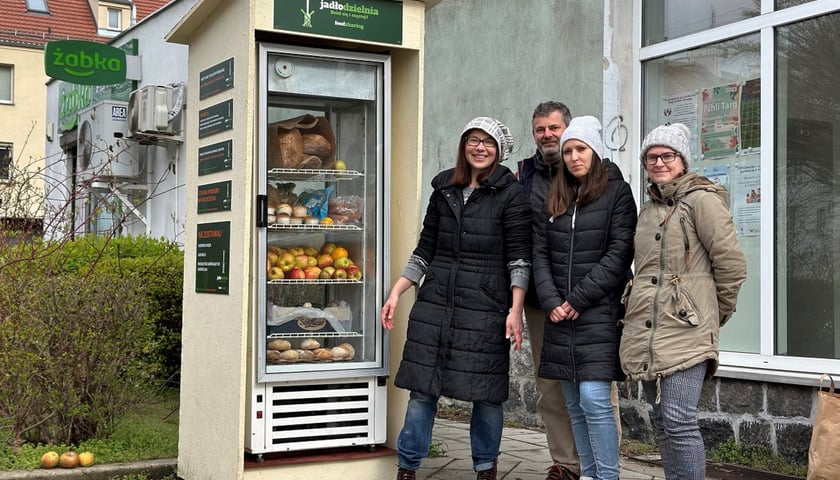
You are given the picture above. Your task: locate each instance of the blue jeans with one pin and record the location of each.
(486, 424)
(675, 418)
(593, 424)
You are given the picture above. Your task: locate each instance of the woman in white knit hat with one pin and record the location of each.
(689, 268)
(474, 255)
(583, 248)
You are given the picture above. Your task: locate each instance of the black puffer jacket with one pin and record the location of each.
(535, 174)
(583, 257)
(456, 343)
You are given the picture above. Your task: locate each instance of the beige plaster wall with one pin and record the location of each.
(23, 120)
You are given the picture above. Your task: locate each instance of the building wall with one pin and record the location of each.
(23, 121)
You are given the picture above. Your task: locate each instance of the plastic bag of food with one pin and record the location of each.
(316, 201)
(346, 210)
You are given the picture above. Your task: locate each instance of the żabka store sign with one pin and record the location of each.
(84, 63)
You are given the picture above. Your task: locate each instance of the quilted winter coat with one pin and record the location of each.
(689, 268)
(584, 257)
(456, 345)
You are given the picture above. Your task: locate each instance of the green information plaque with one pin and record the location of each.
(212, 262)
(215, 158)
(371, 20)
(214, 197)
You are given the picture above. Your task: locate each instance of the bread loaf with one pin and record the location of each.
(310, 161)
(273, 356)
(309, 344)
(318, 145)
(289, 150)
(322, 353)
(339, 353)
(351, 352)
(279, 344)
(305, 354)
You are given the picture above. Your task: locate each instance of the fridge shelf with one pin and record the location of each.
(318, 227)
(314, 281)
(315, 334)
(315, 175)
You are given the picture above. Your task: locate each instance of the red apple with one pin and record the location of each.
(69, 460)
(327, 272)
(302, 261)
(342, 262)
(286, 261)
(354, 272)
(276, 273)
(327, 248)
(296, 274)
(312, 272)
(340, 273)
(325, 260)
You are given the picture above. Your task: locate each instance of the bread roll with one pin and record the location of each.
(339, 353)
(305, 354)
(314, 144)
(351, 352)
(284, 208)
(279, 344)
(309, 220)
(299, 211)
(322, 353)
(309, 344)
(289, 355)
(273, 356)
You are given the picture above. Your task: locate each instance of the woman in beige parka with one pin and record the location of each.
(688, 267)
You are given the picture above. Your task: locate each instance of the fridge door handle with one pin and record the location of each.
(262, 211)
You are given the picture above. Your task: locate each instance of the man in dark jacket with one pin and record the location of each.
(548, 122)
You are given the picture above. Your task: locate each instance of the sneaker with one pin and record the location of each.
(403, 474)
(559, 472)
(489, 474)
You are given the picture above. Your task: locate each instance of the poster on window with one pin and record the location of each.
(746, 196)
(718, 174)
(682, 108)
(720, 120)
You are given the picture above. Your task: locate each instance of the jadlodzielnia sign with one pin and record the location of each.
(84, 63)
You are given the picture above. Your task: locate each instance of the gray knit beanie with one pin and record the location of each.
(496, 129)
(587, 129)
(674, 136)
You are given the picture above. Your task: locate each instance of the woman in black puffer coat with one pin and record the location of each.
(583, 249)
(475, 252)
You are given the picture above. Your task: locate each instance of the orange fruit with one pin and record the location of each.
(339, 252)
(326, 221)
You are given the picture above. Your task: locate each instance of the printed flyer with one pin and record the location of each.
(720, 120)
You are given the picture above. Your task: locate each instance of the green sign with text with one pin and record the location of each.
(84, 63)
(371, 20)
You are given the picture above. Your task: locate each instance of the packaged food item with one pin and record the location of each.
(316, 201)
(346, 210)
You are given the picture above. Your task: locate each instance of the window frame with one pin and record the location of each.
(11, 70)
(35, 6)
(765, 365)
(109, 11)
(6, 158)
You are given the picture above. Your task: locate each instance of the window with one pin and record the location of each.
(807, 181)
(782, 140)
(37, 6)
(114, 19)
(5, 160)
(6, 76)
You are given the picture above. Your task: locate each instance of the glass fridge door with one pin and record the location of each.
(320, 212)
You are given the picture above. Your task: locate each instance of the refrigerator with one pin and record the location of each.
(318, 350)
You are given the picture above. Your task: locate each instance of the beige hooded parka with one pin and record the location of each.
(689, 267)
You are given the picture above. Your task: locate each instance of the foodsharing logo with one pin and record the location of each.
(307, 16)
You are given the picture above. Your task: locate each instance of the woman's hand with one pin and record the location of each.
(388, 310)
(571, 313)
(513, 328)
(558, 314)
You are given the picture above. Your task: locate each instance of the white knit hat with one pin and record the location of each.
(496, 129)
(587, 129)
(674, 136)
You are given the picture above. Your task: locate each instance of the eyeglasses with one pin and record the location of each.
(488, 142)
(666, 157)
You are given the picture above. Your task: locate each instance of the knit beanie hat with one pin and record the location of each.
(496, 129)
(587, 129)
(674, 136)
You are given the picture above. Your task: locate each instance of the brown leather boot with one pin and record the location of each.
(489, 474)
(403, 474)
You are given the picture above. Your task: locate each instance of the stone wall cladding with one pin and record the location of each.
(774, 415)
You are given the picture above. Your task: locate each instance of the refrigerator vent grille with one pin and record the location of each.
(320, 415)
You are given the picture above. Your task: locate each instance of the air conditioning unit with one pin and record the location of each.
(103, 150)
(155, 111)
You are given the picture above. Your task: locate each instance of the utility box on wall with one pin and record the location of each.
(103, 148)
(154, 111)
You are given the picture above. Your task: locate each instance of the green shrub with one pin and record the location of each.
(758, 457)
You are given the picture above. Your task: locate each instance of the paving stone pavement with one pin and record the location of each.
(524, 456)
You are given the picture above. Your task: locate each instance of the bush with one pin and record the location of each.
(85, 327)
(758, 457)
